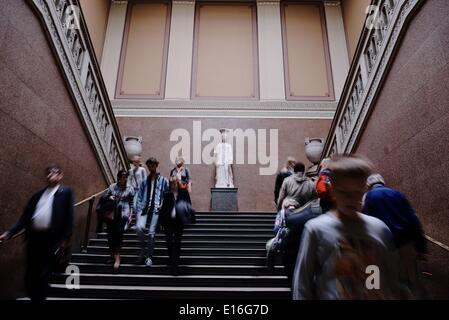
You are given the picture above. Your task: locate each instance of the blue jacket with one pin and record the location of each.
(393, 208)
(142, 201)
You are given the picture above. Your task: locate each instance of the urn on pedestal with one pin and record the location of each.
(133, 146)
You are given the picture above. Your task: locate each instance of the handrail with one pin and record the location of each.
(69, 37)
(91, 198)
(378, 43)
(88, 220)
(87, 199)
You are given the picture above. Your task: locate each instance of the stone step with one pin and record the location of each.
(196, 243)
(163, 259)
(225, 225)
(170, 292)
(207, 235)
(160, 250)
(179, 281)
(185, 269)
(240, 214)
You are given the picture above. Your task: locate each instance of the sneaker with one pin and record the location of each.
(148, 262)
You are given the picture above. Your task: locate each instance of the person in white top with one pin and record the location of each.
(183, 174)
(47, 220)
(136, 176)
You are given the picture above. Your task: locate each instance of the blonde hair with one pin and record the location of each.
(179, 160)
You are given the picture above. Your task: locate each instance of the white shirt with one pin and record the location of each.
(44, 209)
(151, 188)
(136, 177)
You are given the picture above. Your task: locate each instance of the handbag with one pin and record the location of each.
(185, 212)
(278, 242)
(106, 208)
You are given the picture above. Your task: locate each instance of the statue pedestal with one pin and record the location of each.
(223, 199)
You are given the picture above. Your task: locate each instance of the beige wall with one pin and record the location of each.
(142, 72)
(225, 51)
(96, 15)
(255, 191)
(39, 124)
(354, 19)
(307, 74)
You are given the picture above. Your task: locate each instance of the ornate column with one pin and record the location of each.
(337, 45)
(271, 60)
(113, 45)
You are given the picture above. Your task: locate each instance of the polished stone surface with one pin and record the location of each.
(223, 199)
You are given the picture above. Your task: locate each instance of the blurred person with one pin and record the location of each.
(183, 174)
(123, 196)
(295, 222)
(324, 187)
(339, 249)
(297, 186)
(136, 176)
(175, 213)
(282, 174)
(288, 206)
(48, 222)
(149, 202)
(394, 209)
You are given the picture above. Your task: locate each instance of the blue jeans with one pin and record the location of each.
(140, 228)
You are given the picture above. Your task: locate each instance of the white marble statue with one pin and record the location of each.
(223, 163)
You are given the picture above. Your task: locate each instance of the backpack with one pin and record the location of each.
(278, 242)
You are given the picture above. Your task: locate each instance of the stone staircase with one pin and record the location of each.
(222, 257)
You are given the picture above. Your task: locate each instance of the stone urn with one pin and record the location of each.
(133, 146)
(314, 148)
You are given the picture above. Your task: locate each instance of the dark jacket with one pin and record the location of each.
(62, 216)
(185, 215)
(295, 222)
(393, 208)
(283, 173)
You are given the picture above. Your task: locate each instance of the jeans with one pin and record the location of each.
(140, 229)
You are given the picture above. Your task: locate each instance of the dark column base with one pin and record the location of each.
(223, 199)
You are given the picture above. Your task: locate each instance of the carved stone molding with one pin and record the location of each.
(76, 58)
(224, 109)
(188, 3)
(332, 3)
(365, 77)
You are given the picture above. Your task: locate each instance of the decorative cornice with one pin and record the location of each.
(225, 109)
(330, 3)
(268, 3)
(370, 67)
(184, 2)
